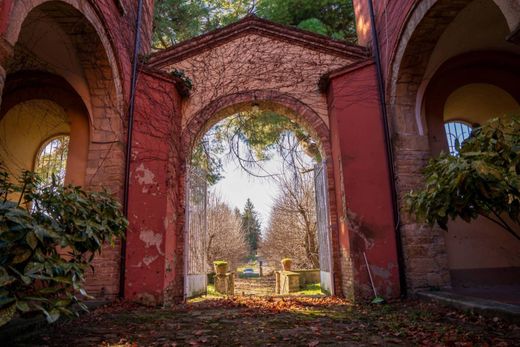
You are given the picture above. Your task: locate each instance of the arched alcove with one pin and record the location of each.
(465, 42)
(63, 55)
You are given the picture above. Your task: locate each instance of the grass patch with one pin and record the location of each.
(213, 292)
(310, 289)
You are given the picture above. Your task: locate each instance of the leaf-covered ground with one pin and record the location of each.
(298, 321)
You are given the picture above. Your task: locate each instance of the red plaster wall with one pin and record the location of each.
(5, 8)
(360, 163)
(152, 242)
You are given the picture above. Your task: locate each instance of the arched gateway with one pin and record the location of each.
(325, 85)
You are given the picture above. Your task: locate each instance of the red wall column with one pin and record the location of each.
(152, 266)
(361, 171)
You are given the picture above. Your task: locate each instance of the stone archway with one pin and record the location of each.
(311, 79)
(255, 61)
(293, 109)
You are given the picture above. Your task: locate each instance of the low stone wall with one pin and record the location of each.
(309, 276)
(287, 282)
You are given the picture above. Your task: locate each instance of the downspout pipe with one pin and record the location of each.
(128, 156)
(389, 150)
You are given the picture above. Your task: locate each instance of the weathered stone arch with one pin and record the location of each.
(408, 66)
(269, 99)
(290, 107)
(102, 96)
(95, 77)
(255, 62)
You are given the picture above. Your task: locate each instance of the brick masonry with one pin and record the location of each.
(102, 37)
(263, 63)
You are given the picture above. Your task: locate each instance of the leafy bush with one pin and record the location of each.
(483, 180)
(48, 238)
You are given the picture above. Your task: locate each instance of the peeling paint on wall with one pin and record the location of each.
(149, 259)
(145, 177)
(151, 239)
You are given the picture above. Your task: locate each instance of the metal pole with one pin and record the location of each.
(389, 151)
(137, 45)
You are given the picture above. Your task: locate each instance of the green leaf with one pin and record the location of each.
(62, 303)
(62, 279)
(4, 300)
(53, 315)
(6, 314)
(21, 254)
(32, 268)
(5, 278)
(23, 306)
(26, 279)
(31, 240)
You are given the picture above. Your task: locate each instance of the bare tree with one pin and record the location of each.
(226, 241)
(292, 230)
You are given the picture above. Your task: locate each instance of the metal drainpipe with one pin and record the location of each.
(137, 45)
(389, 151)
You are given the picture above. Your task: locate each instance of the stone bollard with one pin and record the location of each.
(225, 283)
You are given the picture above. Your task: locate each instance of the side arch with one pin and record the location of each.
(26, 85)
(78, 48)
(90, 10)
(417, 41)
(496, 68)
(435, 32)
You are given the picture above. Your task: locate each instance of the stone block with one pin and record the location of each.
(289, 282)
(225, 284)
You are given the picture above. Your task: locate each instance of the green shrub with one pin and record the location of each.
(48, 239)
(482, 180)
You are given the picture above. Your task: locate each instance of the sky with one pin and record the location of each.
(237, 186)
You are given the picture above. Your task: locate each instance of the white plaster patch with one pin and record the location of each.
(151, 239)
(149, 259)
(145, 177)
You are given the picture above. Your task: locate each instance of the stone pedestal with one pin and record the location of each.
(287, 282)
(225, 284)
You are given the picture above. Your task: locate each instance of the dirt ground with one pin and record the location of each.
(298, 321)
